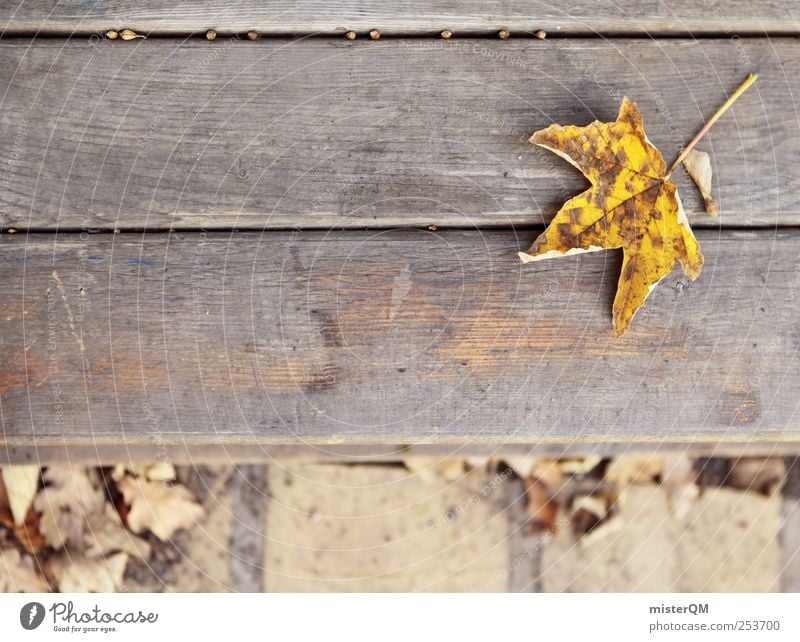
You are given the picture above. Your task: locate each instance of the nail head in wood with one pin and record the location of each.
(129, 34)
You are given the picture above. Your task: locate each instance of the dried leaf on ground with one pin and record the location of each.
(21, 484)
(552, 471)
(28, 533)
(160, 471)
(730, 544)
(542, 506)
(698, 166)
(603, 530)
(6, 518)
(680, 481)
(522, 465)
(760, 474)
(549, 471)
(631, 205)
(580, 466)
(478, 461)
(105, 534)
(588, 511)
(69, 497)
(18, 574)
(159, 507)
(635, 469)
(451, 469)
(76, 573)
(431, 471)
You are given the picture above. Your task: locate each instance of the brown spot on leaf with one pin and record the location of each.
(630, 269)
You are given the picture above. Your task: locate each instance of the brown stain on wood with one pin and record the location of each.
(486, 329)
(328, 328)
(740, 404)
(483, 331)
(21, 371)
(270, 372)
(284, 374)
(12, 376)
(490, 341)
(496, 342)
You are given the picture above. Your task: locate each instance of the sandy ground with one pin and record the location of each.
(445, 527)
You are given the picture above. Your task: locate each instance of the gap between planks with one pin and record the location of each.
(200, 34)
(412, 17)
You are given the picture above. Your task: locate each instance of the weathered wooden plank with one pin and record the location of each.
(402, 17)
(321, 133)
(388, 337)
(190, 453)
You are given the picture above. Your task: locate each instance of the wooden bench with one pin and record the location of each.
(305, 245)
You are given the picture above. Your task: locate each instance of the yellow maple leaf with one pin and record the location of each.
(631, 204)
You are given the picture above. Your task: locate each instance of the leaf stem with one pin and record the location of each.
(726, 105)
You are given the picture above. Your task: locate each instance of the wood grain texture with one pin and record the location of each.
(320, 133)
(387, 337)
(191, 453)
(403, 16)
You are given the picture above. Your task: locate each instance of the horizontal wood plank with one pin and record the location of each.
(388, 337)
(402, 16)
(190, 453)
(320, 133)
